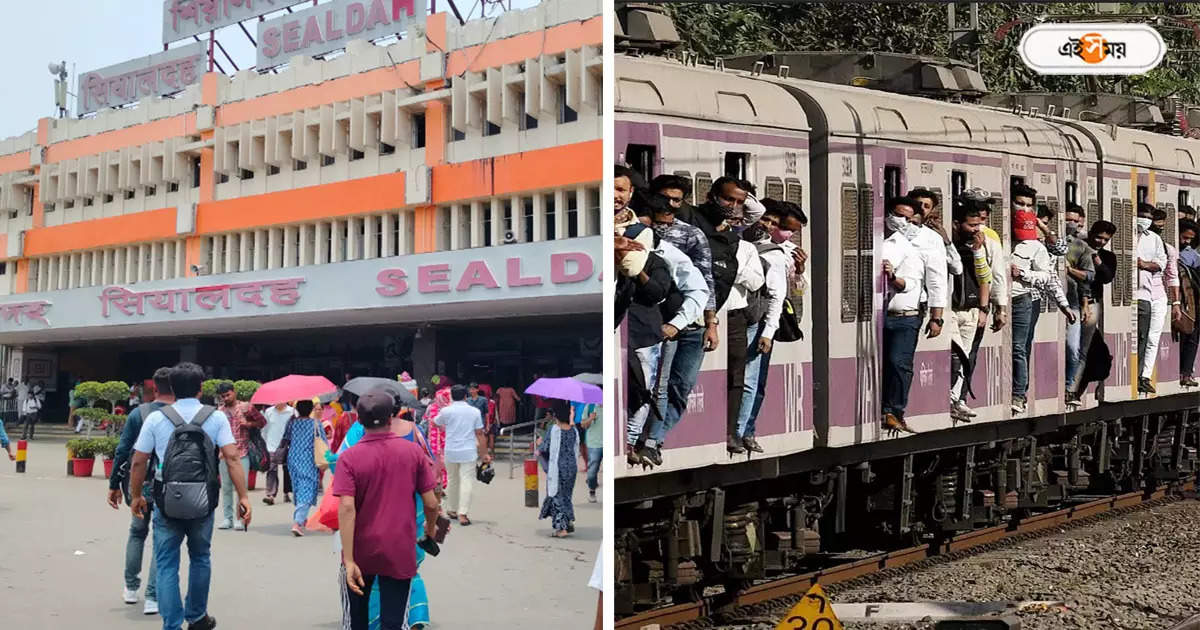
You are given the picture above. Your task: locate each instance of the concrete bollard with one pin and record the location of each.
(21, 451)
(70, 466)
(531, 482)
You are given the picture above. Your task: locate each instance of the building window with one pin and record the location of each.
(246, 174)
(490, 129)
(195, 176)
(327, 160)
(386, 149)
(565, 114)
(456, 135)
(300, 165)
(355, 154)
(418, 131)
(222, 178)
(173, 187)
(272, 170)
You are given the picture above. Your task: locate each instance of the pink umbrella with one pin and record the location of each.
(292, 387)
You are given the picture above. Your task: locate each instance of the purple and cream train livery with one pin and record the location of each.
(829, 469)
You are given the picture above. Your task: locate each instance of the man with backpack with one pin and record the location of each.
(183, 438)
(118, 487)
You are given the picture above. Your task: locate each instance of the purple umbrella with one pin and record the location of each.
(566, 389)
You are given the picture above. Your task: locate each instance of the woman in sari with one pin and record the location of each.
(437, 435)
(417, 617)
(301, 434)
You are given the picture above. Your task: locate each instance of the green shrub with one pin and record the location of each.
(107, 446)
(208, 389)
(90, 392)
(245, 389)
(84, 448)
(115, 392)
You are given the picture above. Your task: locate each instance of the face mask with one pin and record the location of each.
(1143, 224)
(754, 233)
(912, 231)
(1072, 228)
(896, 223)
(661, 229)
(779, 236)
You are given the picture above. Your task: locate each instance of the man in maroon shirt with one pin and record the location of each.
(376, 481)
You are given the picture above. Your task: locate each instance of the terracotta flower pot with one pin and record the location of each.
(82, 467)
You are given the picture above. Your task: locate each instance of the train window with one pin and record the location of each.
(866, 248)
(850, 249)
(774, 188)
(1183, 198)
(737, 165)
(687, 194)
(795, 191)
(1072, 192)
(958, 183)
(1143, 194)
(703, 184)
(1014, 180)
(892, 186)
(641, 159)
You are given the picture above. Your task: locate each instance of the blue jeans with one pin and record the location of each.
(593, 473)
(899, 346)
(168, 536)
(746, 416)
(227, 498)
(1025, 311)
(1073, 337)
(138, 529)
(680, 369)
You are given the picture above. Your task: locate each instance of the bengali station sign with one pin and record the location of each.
(153, 75)
(185, 18)
(329, 26)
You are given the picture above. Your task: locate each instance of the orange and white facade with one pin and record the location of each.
(452, 175)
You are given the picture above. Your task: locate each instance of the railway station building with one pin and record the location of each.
(430, 205)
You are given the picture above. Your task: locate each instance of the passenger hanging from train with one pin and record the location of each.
(998, 262)
(1081, 272)
(1171, 273)
(677, 314)
(765, 307)
(1034, 278)
(1096, 359)
(752, 209)
(1185, 329)
(1055, 246)
(1187, 212)
(739, 322)
(1151, 295)
(934, 245)
(969, 301)
(905, 271)
(690, 240)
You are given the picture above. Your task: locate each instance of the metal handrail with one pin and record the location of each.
(512, 464)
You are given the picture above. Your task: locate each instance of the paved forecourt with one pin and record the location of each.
(503, 570)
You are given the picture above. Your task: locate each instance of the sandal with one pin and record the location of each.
(463, 520)
(562, 533)
(452, 514)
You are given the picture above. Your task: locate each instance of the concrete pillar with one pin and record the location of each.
(143, 252)
(498, 226)
(217, 243)
(289, 246)
(180, 259)
(64, 264)
(231, 252)
(338, 235)
(353, 239)
(403, 219)
(518, 214)
(273, 248)
(388, 226)
(96, 268)
(539, 217)
(582, 212)
(424, 355)
(476, 224)
(260, 250)
(560, 214)
(306, 244)
(322, 243)
(106, 263)
(72, 271)
(456, 232)
(244, 250)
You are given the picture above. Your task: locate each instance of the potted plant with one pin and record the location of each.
(107, 446)
(92, 418)
(115, 392)
(245, 389)
(84, 451)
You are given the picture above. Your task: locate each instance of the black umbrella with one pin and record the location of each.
(590, 378)
(363, 384)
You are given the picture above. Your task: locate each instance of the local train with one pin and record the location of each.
(830, 477)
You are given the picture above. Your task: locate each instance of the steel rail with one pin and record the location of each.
(799, 584)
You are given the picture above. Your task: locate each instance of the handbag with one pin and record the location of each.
(326, 516)
(319, 448)
(260, 457)
(789, 324)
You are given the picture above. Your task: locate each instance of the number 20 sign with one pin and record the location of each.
(813, 612)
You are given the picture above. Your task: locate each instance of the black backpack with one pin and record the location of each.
(122, 473)
(189, 483)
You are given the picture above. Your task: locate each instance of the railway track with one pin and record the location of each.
(778, 591)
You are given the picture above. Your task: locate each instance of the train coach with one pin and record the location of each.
(830, 476)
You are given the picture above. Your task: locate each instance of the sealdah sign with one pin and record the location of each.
(1092, 48)
(327, 27)
(564, 269)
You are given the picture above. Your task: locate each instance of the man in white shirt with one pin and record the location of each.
(933, 242)
(277, 419)
(906, 272)
(30, 408)
(749, 279)
(169, 533)
(466, 443)
(775, 257)
(1151, 295)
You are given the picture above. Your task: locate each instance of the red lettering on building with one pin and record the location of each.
(391, 283)
(428, 275)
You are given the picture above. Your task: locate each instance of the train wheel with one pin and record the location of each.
(689, 594)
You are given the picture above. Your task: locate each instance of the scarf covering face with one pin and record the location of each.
(1025, 225)
(661, 229)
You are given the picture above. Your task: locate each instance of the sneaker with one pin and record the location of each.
(960, 408)
(130, 596)
(751, 444)
(1188, 381)
(651, 454)
(226, 524)
(239, 526)
(269, 500)
(207, 623)
(151, 607)
(1018, 405)
(1145, 387)
(591, 496)
(297, 531)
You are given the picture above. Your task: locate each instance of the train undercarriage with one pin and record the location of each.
(672, 548)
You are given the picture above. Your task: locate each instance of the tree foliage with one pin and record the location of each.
(921, 28)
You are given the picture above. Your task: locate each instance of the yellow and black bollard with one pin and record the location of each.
(531, 482)
(21, 450)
